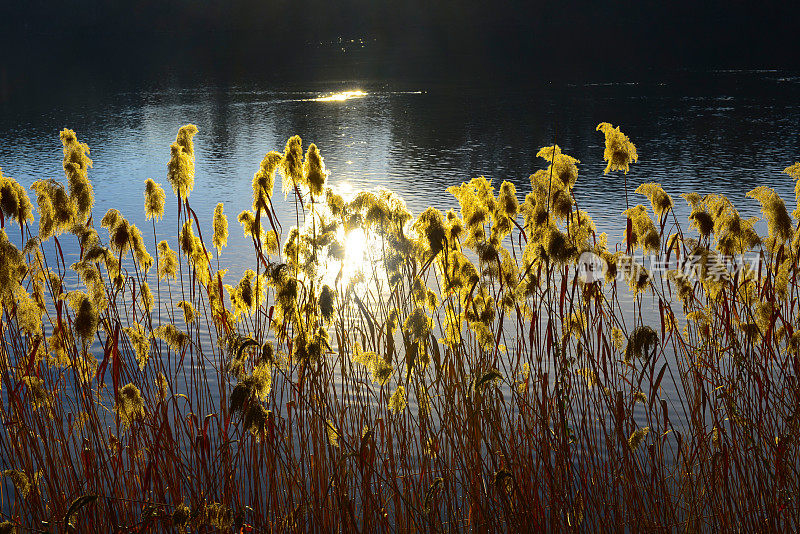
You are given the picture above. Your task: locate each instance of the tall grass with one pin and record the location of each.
(461, 377)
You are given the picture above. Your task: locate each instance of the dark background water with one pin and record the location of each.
(712, 131)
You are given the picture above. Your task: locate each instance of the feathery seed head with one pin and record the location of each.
(140, 341)
(167, 261)
(184, 138)
(659, 199)
(154, 197)
(430, 225)
(637, 437)
(14, 200)
(220, 238)
(180, 169)
(189, 313)
(264, 180)
(619, 151)
(779, 223)
(398, 402)
(176, 339)
(642, 343)
(86, 315)
(292, 165)
(187, 238)
(314, 170)
(20, 480)
(562, 167)
(76, 164)
(326, 298)
(129, 405)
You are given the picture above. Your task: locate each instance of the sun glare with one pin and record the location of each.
(359, 261)
(345, 189)
(341, 96)
(354, 253)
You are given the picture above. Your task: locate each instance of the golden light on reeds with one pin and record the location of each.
(315, 357)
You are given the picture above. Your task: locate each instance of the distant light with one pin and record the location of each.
(340, 97)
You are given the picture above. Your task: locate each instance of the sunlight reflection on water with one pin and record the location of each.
(341, 96)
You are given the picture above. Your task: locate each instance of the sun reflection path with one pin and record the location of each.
(361, 262)
(355, 248)
(341, 96)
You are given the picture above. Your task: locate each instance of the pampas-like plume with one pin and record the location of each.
(14, 200)
(430, 225)
(641, 343)
(180, 169)
(779, 224)
(562, 167)
(86, 315)
(129, 405)
(141, 343)
(659, 199)
(379, 369)
(186, 238)
(56, 210)
(20, 480)
(264, 180)
(76, 164)
(153, 200)
(252, 227)
(643, 232)
(734, 235)
(326, 297)
(314, 170)
(637, 436)
(619, 151)
(507, 202)
(220, 237)
(40, 397)
(189, 313)
(147, 297)
(292, 165)
(174, 337)
(29, 313)
(143, 258)
(167, 261)
(398, 402)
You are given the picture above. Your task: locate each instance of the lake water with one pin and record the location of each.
(722, 132)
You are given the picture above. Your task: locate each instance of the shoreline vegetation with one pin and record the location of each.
(464, 377)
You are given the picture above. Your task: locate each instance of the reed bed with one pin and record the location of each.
(466, 376)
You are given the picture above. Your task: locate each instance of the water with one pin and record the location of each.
(725, 132)
(722, 132)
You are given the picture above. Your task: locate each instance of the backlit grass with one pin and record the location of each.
(377, 371)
